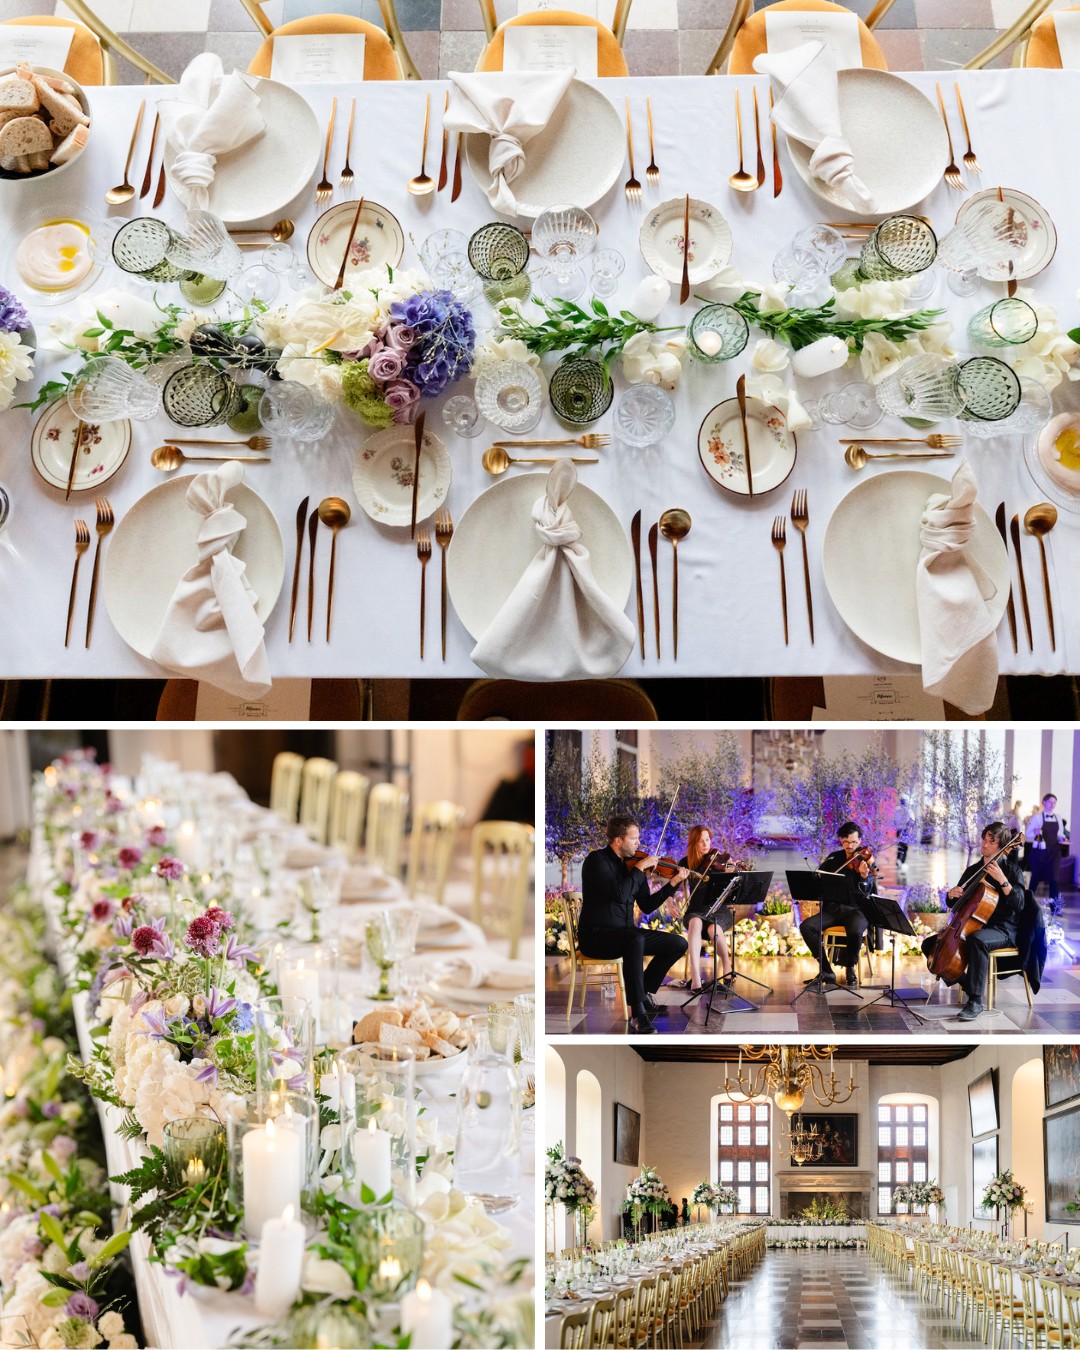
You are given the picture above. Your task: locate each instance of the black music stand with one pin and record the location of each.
(753, 890)
(750, 887)
(835, 888)
(885, 912)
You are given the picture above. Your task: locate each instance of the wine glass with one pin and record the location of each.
(107, 389)
(391, 937)
(565, 236)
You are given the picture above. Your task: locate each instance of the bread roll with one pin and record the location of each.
(19, 95)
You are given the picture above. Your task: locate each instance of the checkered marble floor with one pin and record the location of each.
(665, 37)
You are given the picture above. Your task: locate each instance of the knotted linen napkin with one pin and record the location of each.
(511, 107)
(557, 623)
(211, 114)
(808, 110)
(211, 630)
(480, 967)
(956, 625)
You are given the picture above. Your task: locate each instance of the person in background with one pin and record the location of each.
(684, 1213)
(1046, 832)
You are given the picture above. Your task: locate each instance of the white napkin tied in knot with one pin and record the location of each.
(511, 107)
(212, 113)
(956, 626)
(557, 623)
(808, 110)
(211, 630)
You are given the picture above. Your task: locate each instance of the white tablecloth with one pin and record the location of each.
(728, 566)
(832, 1232)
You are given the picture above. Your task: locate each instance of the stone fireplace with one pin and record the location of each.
(799, 1188)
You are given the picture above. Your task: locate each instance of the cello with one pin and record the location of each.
(948, 961)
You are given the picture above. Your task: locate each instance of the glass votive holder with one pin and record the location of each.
(439, 244)
(716, 333)
(390, 1243)
(453, 272)
(288, 408)
(284, 1044)
(378, 1108)
(580, 390)
(461, 416)
(608, 266)
(510, 394)
(499, 253)
(1005, 323)
(273, 1148)
(989, 388)
(854, 406)
(487, 1156)
(310, 972)
(525, 1010)
(257, 282)
(200, 395)
(644, 416)
(194, 1149)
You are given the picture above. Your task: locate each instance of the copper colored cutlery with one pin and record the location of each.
(654, 538)
(301, 520)
(455, 192)
(325, 189)
(423, 552)
(970, 162)
(777, 176)
(779, 539)
(652, 173)
(757, 134)
(632, 188)
(105, 521)
(313, 530)
(952, 173)
(444, 532)
(148, 176)
(674, 524)
(82, 543)
(635, 540)
(1014, 534)
(346, 180)
(445, 139)
(1010, 607)
(800, 518)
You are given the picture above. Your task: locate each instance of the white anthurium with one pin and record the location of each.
(725, 287)
(771, 388)
(875, 300)
(321, 1276)
(770, 355)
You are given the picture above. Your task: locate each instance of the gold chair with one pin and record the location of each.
(602, 1323)
(316, 781)
(1056, 1328)
(574, 1330)
(644, 1312)
(385, 833)
(1034, 1319)
(1029, 50)
(85, 59)
(110, 46)
(622, 1326)
(607, 968)
(431, 848)
(557, 700)
(744, 37)
(348, 806)
(609, 55)
(386, 57)
(502, 852)
(1003, 954)
(1072, 1306)
(835, 937)
(285, 774)
(1010, 1309)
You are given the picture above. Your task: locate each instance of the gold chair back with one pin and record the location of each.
(610, 61)
(112, 46)
(315, 783)
(744, 38)
(502, 853)
(386, 55)
(385, 832)
(348, 806)
(285, 774)
(431, 850)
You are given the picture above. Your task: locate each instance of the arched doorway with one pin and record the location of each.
(588, 1133)
(1026, 1152)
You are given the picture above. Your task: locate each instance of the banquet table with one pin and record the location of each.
(728, 565)
(830, 1232)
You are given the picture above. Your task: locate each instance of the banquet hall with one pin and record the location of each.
(761, 818)
(813, 1195)
(267, 1068)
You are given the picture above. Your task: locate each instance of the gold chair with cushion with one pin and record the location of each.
(1040, 47)
(610, 61)
(386, 57)
(557, 700)
(100, 64)
(998, 955)
(745, 35)
(574, 1330)
(85, 59)
(608, 969)
(836, 936)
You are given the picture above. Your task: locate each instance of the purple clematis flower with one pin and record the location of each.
(209, 1074)
(154, 1025)
(82, 1305)
(218, 1004)
(140, 1000)
(50, 1110)
(238, 953)
(123, 925)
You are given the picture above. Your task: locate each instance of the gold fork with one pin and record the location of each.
(936, 441)
(82, 543)
(444, 532)
(104, 525)
(779, 539)
(592, 440)
(423, 552)
(347, 175)
(253, 442)
(800, 518)
(970, 162)
(652, 173)
(325, 189)
(952, 170)
(632, 187)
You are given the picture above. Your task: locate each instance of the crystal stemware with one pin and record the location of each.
(509, 393)
(107, 389)
(255, 282)
(608, 266)
(854, 406)
(461, 415)
(288, 408)
(645, 415)
(440, 243)
(200, 395)
(565, 236)
(924, 387)
(205, 246)
(391, 937)
(898, 247)
(1005, 323)
(716, 333)
(989, 234)
(454, 273)
(499, 253)
(580, 390)
(990, 389)
(808, 262)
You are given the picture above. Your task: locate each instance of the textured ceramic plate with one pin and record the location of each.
(383, 476)
(897, 139)
(722, 450)
(378, 241)
(576, 158)
(1041, 241)
(661, 241)
(155, 544)
(496, 540)
(104, 448)
(871, 552)
(262, 177)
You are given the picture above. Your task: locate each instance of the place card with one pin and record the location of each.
(587, 7)
(785, 29)
(529, 47)
(287, 701)
(38, 45)
(878, 698)
(1067, 28)
(318, 58)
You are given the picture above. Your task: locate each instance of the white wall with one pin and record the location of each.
(190, 747)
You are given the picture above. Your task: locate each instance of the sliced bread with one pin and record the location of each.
(20, 95)
(65, 112)
(25, 136)
(70, 146)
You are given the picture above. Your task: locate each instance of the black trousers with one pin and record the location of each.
(633, 945)
(979, 947)
(1045, 865)
(853, 922)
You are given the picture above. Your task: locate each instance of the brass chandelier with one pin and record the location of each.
(800, 1144)
(787, 1074)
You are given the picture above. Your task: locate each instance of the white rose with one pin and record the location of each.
(176, 1005)
(770, 355)
(124, 1342)
(773, 298)
(328, 382)
(326, 1277)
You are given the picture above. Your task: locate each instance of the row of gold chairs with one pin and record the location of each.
(95, 47)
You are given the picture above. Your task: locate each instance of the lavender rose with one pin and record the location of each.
(401, 396)
(399, 337)
(386, 365)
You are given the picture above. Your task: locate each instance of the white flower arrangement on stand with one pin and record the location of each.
(566, 1184)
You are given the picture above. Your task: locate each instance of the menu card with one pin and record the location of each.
(38, 45)
(878, 698)
(1067, 27)
(785, 29)
(287, 701)
(529, 47)
(586, 7)
(318, 58)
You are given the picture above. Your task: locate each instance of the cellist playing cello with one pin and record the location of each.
(1000, 930)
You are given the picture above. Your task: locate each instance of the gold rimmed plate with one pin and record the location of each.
(721, 449)
(378, 241)
(104, 448)
(383, 475)
(661, 240)
(1038, 252)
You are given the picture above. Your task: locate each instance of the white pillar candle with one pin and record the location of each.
(650, 297)
(371, 1153)
(281, 1263)
(300, 982)
(827, 353)
(427, 1317)
(272, 1172)
(709, 342)
(294, 1121)
(336, 1087)
(189, 845)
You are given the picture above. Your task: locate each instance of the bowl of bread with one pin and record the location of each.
(434, 1034)
(44, 122)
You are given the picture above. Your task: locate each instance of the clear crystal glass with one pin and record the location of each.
(288, 408)
(925, 387)
(5, 506)
(438, 244)
(384, 1094)
(453, 272)
(461, 415)
(391, 938)
(205, 246)
(1030, 415)
(256, 282)
(716, 333)
(854, 406)
(279, 258)
(989, 234)
(816, 251)
(509, 393)
(608, 266)
(1005, 323)
(990, 389)
(487, 1157)
(899, 247)
(107, 389)
(565, 236)
(645, 415)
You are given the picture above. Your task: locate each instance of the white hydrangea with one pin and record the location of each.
(24, 1313)
(110, 1324)
(123, 1342)
(13, 1240)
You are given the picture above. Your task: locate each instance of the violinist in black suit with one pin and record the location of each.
(849, 917)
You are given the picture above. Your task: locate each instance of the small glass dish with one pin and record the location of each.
(510, 394)
(644, 416)
(461, 416)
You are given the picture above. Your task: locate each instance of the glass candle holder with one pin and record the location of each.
(487, 1157)
(716, 333)
(273, 1146)
(525, 1010)
(898, 247)
(391, 938)
(608, 266)
(378, 1109)
(990, 389)
(200, 395)
(106, 389)
(453, 272)
(510, 394)
(390, 1242)
(461, 416)
(1005, 323)
(255, 282)
(194, 1149)
(499, 253)
(310, 972)
(924, 387)
(580, 390)
(284, 1044)
(439, 244)
(644, 416)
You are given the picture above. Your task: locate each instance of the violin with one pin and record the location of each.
(667, 869)
(862, 861)
(948, 958)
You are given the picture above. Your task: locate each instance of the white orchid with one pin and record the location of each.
(770, 388)
(653, 359)
(1051, 355)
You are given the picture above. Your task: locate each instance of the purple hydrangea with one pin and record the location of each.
(13, 315)
(444, 339)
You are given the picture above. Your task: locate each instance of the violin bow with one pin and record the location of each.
(667, 820)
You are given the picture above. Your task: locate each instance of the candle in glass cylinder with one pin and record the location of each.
(371, 1153)
(709, 341)
(427, 1317)
(299, 982)
(272, 1172)
(281, 1263)
(337, 1086)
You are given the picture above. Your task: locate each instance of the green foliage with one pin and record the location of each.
(715, 787)
(965, 787)
(801, 327)
(148, 1176)
(567, 325)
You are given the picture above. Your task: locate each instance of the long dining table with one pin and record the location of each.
(729, 576)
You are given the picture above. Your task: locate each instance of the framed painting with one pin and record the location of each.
(1061, 1073)
(839, 1136)
(627, 1135)
(982, 1104)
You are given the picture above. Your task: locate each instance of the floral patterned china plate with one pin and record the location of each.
(661, 240)
(383, 476)
(722, 452)
(1041, 235)
(378, 242)
(104, 448)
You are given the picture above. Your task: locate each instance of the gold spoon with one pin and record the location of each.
(1039, 520)
(169, 457)
(858, 458)
(741, 181)
(421, 185)
(278, 232)
(334, 512)
(675, 525)
(123, 192)
(496, 460)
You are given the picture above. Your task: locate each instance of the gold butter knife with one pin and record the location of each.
(635, 539)
(301, 517)
(654, 537)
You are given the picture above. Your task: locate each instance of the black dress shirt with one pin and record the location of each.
(1009, 907)
(610, 890)
(835, 862)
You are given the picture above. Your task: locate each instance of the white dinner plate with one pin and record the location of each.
(102, 452)
(452, 994)
(496, 540)
(263, 176)
(383, 475)
(155, 544)
(576, 158)
(1041, 243)
(897, 139)
(722, 450)
(661, 240)
(378, 241)
(871, 553)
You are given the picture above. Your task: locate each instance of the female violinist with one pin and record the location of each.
(1006, 880)
(714, 873)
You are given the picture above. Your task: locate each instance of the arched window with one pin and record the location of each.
(744, 1152)
(903, 1154)
(588, 1130)
(554, 1096)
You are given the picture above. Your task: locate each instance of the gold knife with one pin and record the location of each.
(635, 539)
(418, 436)
(345, 256)
(313, 529)
(654, 536)
(301, 517)
(757, 132)
(148, 176)
(1010, 608)
(445, 139)
(75, 456)
(740, 391)
(684, 290)
(1014, 531)
(777, 176)
(456, 193)
(160, 193)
